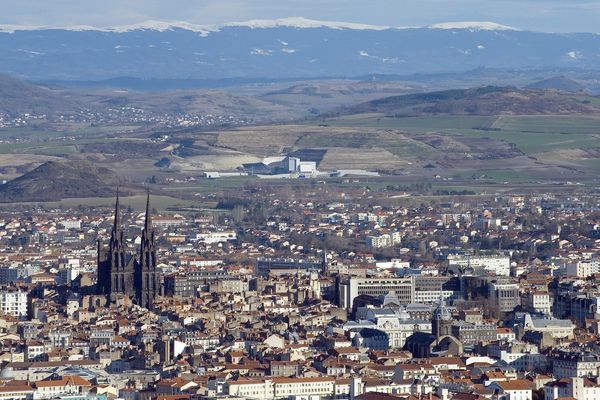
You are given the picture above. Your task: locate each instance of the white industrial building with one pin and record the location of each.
(294, 164)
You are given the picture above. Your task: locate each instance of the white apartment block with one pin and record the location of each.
(71, 224)
(355, 286)
(278, 388)
(498, 265)
(216, 237)
(582, 269)
(537, 301)
(13, 302)
(384, 240)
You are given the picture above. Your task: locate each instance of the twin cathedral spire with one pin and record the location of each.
(121, 273)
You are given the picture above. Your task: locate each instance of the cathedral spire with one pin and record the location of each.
(146, 279)
(117, 223)
(148, 223)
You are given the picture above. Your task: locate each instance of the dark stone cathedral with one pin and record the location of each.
(121, 274)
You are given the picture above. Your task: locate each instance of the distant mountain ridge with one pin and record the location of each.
(558, 83)
(490, 100)
(281, 49)
(290, 22)
(18, 97)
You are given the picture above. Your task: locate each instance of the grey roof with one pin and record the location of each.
(418, 307)
(551, 323)
(383, 312)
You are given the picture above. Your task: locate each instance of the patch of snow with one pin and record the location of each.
(282, 42)
(303, 23)
(289, 51)
(481, 47)
(291, 22)
(473, 25)
(261, 52)
(35, 53)
(392, 60)
(14, 28)
(574, 55)
(162, 26)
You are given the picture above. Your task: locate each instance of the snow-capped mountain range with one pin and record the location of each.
(291, 22)
(282, 48)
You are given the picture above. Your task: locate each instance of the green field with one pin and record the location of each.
(56, 147)
(533, 143)
(160, 203)
(394, 142)
(496, 175)
(593, 164)
(531, 134)
(214, 185)
(76, 131)
(550, 124)
(416, 124)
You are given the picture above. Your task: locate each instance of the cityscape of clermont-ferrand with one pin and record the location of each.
(300, 200)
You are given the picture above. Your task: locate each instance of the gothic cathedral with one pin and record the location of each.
(121, 273)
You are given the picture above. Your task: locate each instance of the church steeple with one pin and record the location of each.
(117, 222)
(148, 222)
(117, 245)
(115, 272)
(146, 283)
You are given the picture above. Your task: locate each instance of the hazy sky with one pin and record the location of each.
(544, 15)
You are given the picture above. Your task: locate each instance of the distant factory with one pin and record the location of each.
(287, 167)
(284, 165)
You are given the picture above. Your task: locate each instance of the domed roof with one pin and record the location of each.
(442, 312)
(7, 373)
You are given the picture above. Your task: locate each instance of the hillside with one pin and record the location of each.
(44, 106)
(18, 97)
(57, 180)
(559, 83)
(485, 101)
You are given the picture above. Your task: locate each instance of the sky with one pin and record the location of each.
(537, 15)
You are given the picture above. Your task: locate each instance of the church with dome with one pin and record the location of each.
(441, 341)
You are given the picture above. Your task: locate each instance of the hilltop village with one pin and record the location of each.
(304, 299)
